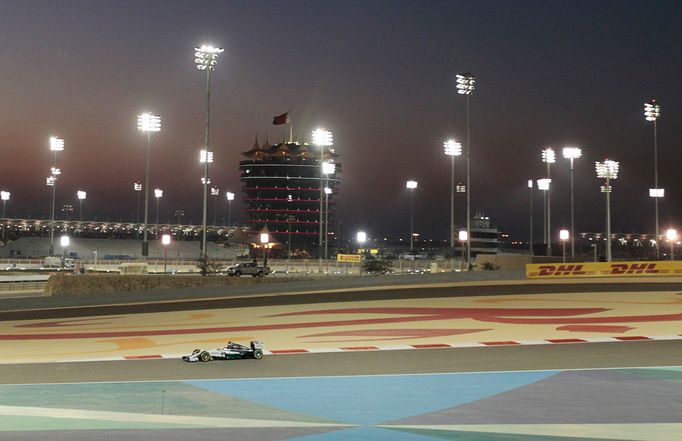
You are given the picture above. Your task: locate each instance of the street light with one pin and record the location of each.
(530, 189)
(206, 58)
(652, 111)
(215, 192)
(230, 197)
(463, 237)
(158, 194)
(165, 241)
(321, 138)
(4, 196)
(361, 238)
(81, 197)
(327, 192)
(607, 170)
(137, 188)
(671, 235)
(465, 86)
(564, 235)
(56, 145)
(147, 122)
(572, 153)
(452, 148)
(64, 242)
(264, 240)
(548, 157)
(412, 186)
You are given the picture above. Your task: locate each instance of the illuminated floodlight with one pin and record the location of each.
(54, 171)
(361, 237)
(452, 147)
(571, 152)
(229, 195)
(158, 193)
(327, 190)
(215, 191)
(4, 195)
(137, 186)
(564, 235)
(463, 236)
(460, 188)
(411, 185)
(50, 180)
(607, 169)
(56, 144)
(606, 189)
(543, 184)
(264, 238)
(652, 110)
(656, 192)
(671, 234)
(205, 181)
(64, 241)
(328, 168)
(548, 155)
(322, 137)
(147, 122)
(465, 83)
(205, 156)
(81, 195)
(166, 239)
(206, 57)
(530, 183)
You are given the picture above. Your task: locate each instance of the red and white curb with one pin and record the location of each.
(367, 348)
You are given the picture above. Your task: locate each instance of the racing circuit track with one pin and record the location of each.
(527, 382)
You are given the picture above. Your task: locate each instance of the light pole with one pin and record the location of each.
(530, 189)
(465, 86)
(206, 58)
(607, 170)
(543, 185)
(564, 235)
(215, 192)
(146, 122)
(321, 138)
(652, 111)
(158, 194)
(361, 238)
(452, 148)
(463, 238)
(64, 242)
(548, 157)
(412, 187)
(572, 153)
(81, 195)
(165, 241)
(328, 168)
(264, 241)
(4, 196)
(230, 197)
(671, 235)
(137, 188)
(56, 145)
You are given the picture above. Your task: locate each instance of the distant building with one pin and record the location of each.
(485, 236)
(281, 190)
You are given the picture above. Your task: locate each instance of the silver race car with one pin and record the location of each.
(230, 351)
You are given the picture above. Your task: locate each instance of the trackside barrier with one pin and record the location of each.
(604, 269)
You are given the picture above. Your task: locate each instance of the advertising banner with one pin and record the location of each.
(353, 258)
(603, 269)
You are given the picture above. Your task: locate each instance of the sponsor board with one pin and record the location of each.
(353, 258)
(603, 269)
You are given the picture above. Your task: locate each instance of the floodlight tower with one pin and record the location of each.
(158, 194)
(572, 153)
(147, 122)
(548, 157)
(452, 148)
(465, 86)
(137, 188)
(607, 170)
(230, 197)
(206, 58)
(81, 197)
(321, 138)
(652, 111)
(412, 186)
(215, 192)
(4, 196)
(56, 145)
(530, 240)
(328, 168)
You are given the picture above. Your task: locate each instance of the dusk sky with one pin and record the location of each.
(379, 74)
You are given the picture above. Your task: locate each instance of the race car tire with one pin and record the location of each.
(257, 354)
(237, 273)
(260, 274)
(205, 356)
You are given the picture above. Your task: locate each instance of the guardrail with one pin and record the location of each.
(24, 285)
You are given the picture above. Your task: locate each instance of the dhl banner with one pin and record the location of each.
(356, 258)
(603, 269)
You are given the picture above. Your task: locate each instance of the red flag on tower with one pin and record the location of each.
(281, 119)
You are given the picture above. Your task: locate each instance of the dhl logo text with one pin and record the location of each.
(560, 270)
(634, 268)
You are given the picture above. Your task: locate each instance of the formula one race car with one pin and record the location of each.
(230, 351)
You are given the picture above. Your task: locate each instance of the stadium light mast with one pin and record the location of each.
(652, 111)
(321, 138)
(4, 196)
(572, 153)
(530, 229)
(148, 123)
(206, 58)
(81, 195)
(548, 157)
(158, 194)
(465, 86)
(230, 197)
(56, 145)
(452, 148)
(607, 170)
(412, 187)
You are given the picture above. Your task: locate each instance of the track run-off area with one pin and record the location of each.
(515, 360)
